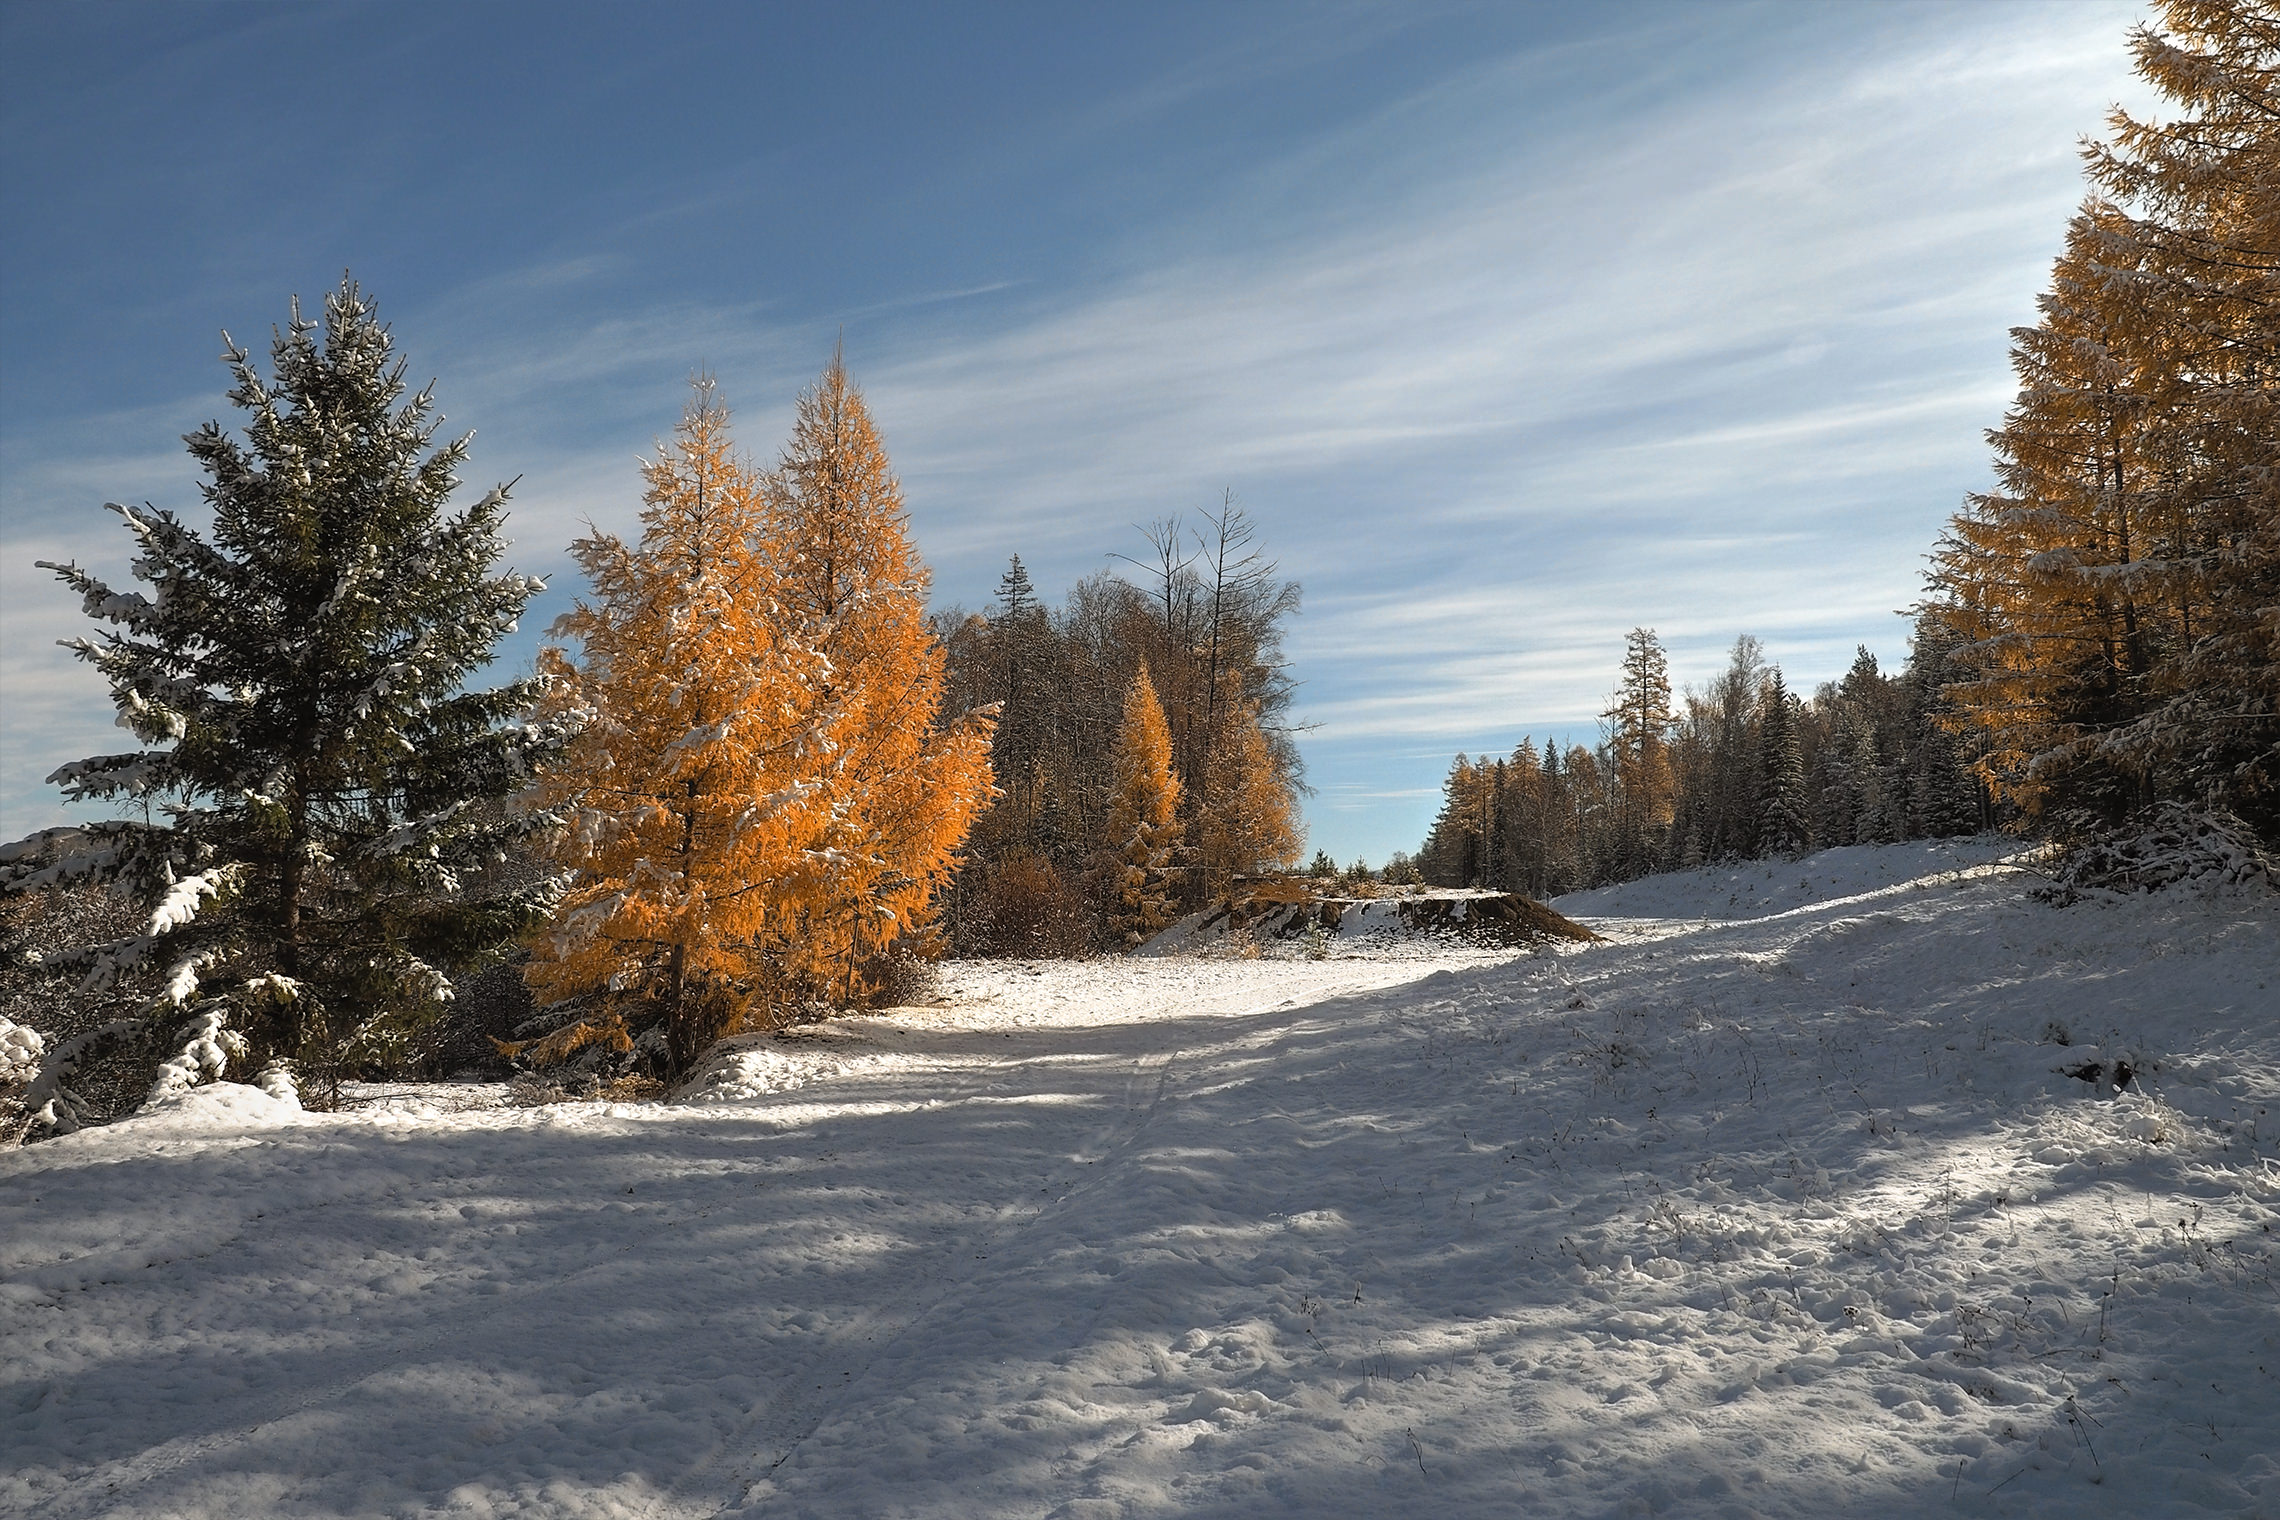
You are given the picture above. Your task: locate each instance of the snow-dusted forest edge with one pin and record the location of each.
(1780, 1202)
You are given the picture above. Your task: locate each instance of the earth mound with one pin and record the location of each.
(1282, 909)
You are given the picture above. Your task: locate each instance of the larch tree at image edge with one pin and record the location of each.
(2117, 599)
(321, 798)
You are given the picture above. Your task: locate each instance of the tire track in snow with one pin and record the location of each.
(782, 1425)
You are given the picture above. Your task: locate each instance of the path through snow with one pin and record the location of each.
(1779, 1204)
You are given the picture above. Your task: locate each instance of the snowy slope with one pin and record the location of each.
(1757, 888)
(1777, 1204)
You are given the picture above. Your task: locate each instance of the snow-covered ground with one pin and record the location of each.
(1779, 1203)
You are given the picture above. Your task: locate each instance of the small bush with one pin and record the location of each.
(1024, 907)
(114, 1074)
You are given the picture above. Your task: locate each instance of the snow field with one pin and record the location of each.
(1779, 1204)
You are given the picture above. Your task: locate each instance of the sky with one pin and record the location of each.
(1513, 327)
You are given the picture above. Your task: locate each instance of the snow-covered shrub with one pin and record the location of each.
(1237, 945)
(1022, 906)
(207, 1047)
(51, 1104)
(21, 1052)
(486, 1005)
(569, 1047)
(91, 1060)
(907, 980)
(2171, 844)
(277, 1080)
(588, 1048)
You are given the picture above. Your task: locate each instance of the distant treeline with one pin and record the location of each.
(1743, 768)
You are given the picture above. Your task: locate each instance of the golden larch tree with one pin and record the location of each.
(2117, 600)
(685, 789)
(1142, 817)
(1639, 729)
(894, 789)
(2058, 577)
(1247, 821)
(2196, 199)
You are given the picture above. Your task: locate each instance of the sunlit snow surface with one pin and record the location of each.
(1778, 1204)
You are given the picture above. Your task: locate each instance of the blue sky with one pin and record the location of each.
(1512, 326)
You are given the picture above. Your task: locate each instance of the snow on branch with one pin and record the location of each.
(136, 773)
(60, 856)
(182, 980)
(209, 1045)
(413, 831)
(180, 904)
(51, 1105)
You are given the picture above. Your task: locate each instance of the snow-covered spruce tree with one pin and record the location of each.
(1784, 826)
(1019, 632)
(318, 797)
(1845, 778)
(1731, 733)
(1942, 792)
